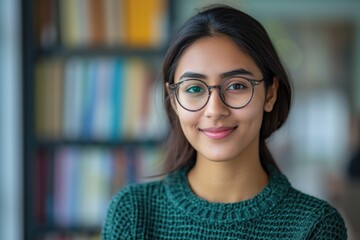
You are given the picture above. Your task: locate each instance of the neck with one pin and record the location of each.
(228, 181)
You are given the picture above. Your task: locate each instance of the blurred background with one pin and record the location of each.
(81, 113)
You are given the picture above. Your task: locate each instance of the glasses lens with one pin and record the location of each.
(192, 94)
(236, 92)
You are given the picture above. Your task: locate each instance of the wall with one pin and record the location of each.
(10, 122)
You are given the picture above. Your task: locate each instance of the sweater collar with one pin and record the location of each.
(179, 192)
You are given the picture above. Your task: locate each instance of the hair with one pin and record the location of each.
(252, 38)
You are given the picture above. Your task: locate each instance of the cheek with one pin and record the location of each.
(187, 119)
(256, 106)
(250, 119)
(252, 114)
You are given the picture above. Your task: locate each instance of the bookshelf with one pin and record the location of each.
(92, 116)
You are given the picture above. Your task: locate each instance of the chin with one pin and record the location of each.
(217, 157)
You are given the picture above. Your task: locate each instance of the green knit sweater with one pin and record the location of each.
(168, 209)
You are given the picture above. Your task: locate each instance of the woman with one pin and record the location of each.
(226, 93)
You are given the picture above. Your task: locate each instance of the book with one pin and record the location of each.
(117, 98)
(89, 93)
(41, 180)
(86, 178)
(45, 24)
(110, 99)
(99, 23)
(114, 22)
(73, 106)
(55, 96)
(103, 100)
(48, 98)
(65, 182)
(119, 170)
(134, 94)
(69, 25)
(84, 22)
(94, 186)
(74, 23)
(144, 22)
(40, 98)
(96, 14)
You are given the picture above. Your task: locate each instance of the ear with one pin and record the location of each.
(271, 95)
(172, 99)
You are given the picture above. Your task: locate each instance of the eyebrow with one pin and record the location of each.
(236, 72)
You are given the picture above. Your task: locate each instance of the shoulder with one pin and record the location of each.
(135, 194)
(308, 217)
(323, 219)
(308, 203)
(122, 213)
(300, 208)
(141, 192)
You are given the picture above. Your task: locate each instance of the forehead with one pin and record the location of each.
(212, 56)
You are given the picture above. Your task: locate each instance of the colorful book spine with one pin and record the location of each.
(117, 99)
(85, 179)
(45, 28)
(144, 22)
(127, 23)
(97, 99)
(90, 94)
(48, 98)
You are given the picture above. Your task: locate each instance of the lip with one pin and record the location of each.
(218, 133)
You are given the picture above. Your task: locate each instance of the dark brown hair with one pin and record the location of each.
(252, 38)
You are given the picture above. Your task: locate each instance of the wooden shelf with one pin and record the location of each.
(100, 51)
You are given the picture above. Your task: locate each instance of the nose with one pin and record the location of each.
(215, 108)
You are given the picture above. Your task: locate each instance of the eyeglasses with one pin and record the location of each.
(235, 92)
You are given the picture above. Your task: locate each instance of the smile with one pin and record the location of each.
(218, 132)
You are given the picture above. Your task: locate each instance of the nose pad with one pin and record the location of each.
(218, 87)
(216, 106)
(214, 88)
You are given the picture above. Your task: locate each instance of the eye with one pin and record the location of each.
(236, 86)
(194, 89)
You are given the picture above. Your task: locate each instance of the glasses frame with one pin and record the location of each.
(175, 86)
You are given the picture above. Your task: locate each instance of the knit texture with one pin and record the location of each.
(168, 209)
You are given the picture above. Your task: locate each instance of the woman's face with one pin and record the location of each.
(218, 132)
